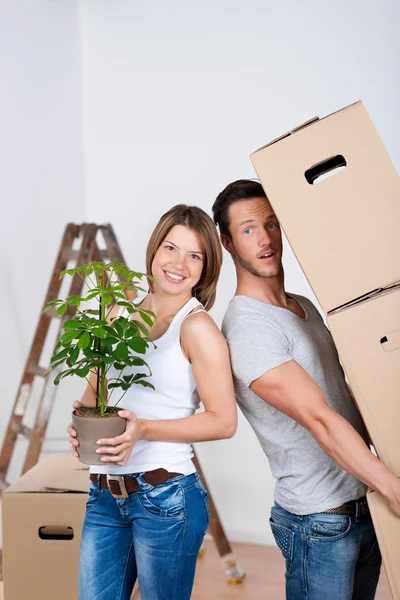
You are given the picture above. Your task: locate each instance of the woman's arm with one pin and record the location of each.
(207, 350)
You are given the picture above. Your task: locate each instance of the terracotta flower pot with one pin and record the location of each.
(89, 429)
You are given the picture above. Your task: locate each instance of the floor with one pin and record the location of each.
(265, 576)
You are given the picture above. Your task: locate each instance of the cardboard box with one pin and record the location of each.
(367, 336)
(387, 528)
(43, 514)
(344, 229)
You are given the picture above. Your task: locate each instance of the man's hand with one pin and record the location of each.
(393, 496)
(72, 433)
(119, 449)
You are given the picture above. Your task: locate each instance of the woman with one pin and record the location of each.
(155, 533)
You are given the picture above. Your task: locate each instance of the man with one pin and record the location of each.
(291, 388)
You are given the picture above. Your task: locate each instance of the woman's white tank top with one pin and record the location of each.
(173, 398)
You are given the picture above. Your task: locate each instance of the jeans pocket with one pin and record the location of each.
(284, 539)
(94, 496)
(204, 495)
(330, 529)
(164, 501)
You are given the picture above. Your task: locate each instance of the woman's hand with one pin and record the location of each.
(72, 433)
(119, 449)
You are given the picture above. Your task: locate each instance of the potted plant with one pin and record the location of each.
(93, 342)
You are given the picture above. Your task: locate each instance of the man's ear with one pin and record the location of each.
(227, 243)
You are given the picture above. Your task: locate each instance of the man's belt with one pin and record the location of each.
(354, 508)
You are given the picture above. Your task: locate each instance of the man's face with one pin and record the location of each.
(256, 237)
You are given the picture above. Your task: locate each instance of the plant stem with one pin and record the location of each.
(93, 390)
(102, 369)
(98, 370)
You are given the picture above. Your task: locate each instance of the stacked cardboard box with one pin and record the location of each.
(337, 196)
(43, 514)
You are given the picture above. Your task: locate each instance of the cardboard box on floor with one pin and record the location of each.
(43, 514)
(367, 336)
(387, 527)
(344, 229)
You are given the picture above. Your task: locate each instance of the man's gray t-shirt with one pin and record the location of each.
(261, 337)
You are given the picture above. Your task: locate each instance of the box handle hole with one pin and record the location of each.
(56, 532)
(325, 169)
(391, 342)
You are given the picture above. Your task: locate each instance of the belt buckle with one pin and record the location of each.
(120, 479)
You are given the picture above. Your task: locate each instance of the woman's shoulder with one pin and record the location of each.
(198, 321)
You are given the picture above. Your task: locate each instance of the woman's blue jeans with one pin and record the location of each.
(154, 535)
(328, 556)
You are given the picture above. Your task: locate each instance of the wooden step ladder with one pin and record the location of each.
(86, 237)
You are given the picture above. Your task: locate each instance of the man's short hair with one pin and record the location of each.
(242, 189)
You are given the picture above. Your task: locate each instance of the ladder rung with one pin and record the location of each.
(39, 371)
(73, 254)
(25, 431)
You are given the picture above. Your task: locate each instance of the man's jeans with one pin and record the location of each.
(328, 557)
(154, 535)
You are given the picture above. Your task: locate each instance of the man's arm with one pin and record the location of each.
(291, 390)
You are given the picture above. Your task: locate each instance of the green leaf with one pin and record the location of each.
(110, 329)
(92, 294)
(124, 303)
(110, 341)
(74, 301)
(84, 340)
(127, 378)
(108, 298)
(82, 372)
(67, 337)
(122, 351)
(87, 269)
(139, 376)
(73, 324)
(137, 362)
(148, 312)
(57, 379)
(146, 318)
(115, 385)
(119, 366)
(57, 364)
(73, 357)
(138, 345)
(119, 328)
(59, 355)
(48, 307)
(98, 268)
(61, 310)
(145, 384)
(62, 375)
(133, 330)
(67, 272)
(143, 328)
(98, 332)
(89, 353)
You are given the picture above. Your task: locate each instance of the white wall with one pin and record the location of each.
(175, 97)
(41, 157)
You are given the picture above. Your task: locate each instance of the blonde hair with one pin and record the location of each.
(198, 220)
